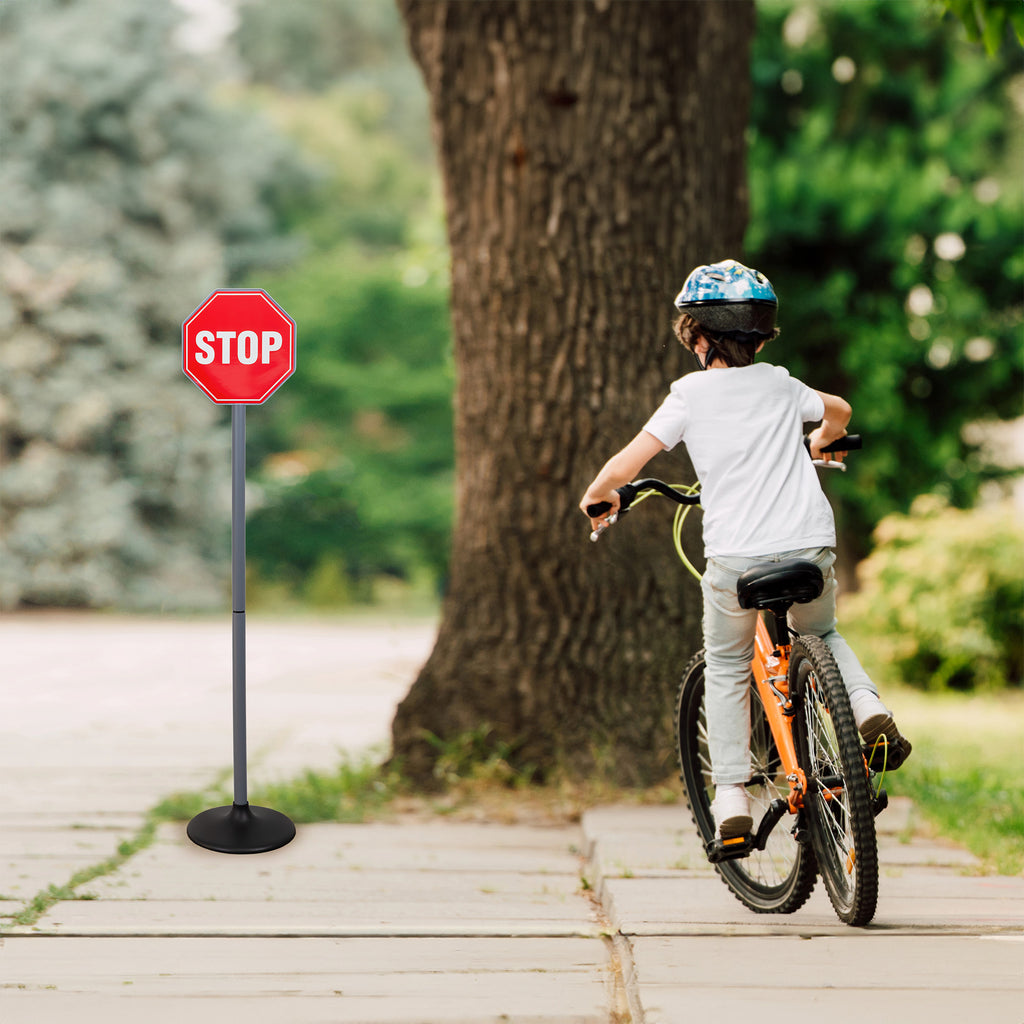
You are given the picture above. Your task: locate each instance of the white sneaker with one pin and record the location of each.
(731, 809)
(869, 712)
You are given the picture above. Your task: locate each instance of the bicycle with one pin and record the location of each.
(808, 763)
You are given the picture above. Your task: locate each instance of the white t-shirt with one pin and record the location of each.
(743, 430)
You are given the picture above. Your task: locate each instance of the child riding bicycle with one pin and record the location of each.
(742, 424)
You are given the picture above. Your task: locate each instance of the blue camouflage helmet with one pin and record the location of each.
(731, 300)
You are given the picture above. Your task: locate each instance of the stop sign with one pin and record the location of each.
(238, 346)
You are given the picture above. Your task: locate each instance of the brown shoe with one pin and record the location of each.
(885, 747)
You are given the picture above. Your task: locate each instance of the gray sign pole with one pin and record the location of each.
(238, 601)
(239, 828)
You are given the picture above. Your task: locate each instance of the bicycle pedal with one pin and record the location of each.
(885, 757)
(729, 849)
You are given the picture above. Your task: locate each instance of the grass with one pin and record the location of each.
(966, 773)
(356, 791)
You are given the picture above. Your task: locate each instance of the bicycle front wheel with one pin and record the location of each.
(838, 799)
(779, 878)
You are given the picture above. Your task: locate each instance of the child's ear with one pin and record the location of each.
(759, 347)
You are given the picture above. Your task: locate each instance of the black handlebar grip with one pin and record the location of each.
(626, 493)
(850, 443)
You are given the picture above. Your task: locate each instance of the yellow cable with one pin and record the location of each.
(884, 740)
(682, 511)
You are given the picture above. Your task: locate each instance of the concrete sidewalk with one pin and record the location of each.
(405, 922)
(944, 946)
(416, 920)
(412, 921)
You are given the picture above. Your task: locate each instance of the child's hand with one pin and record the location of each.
(819, 439)
(594, 498)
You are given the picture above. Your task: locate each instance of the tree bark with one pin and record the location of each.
(592, 152)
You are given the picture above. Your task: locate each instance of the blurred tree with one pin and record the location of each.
(354, 460)
(348, 47)
(887, 211)
(591, 153)
(308, 45)
(125, 198)
(357, 457)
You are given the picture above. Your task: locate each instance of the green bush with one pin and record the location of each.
(942, 597)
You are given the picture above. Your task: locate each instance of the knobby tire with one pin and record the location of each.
(838, 803)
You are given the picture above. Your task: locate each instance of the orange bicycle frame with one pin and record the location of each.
(770, 666)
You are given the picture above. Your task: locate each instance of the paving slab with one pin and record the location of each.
(943, 944)
(407, 843)
(843, 979)
(24, 876)
(303, 980)
(383, 879)
(687, 905)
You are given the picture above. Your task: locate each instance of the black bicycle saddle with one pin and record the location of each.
(792, 581)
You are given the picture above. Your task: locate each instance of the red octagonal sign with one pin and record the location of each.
(239, 346)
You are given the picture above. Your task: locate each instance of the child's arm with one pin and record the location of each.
(619, 470)
(833, 426)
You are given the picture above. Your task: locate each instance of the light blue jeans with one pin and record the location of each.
(729, 649)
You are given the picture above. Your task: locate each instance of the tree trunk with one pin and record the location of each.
(592, 153)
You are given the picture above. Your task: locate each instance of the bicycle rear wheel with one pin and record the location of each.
(778, 879)
(838, 799)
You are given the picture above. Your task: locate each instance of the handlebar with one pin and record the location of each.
(628, 492)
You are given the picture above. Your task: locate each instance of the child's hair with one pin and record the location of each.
(730, 351)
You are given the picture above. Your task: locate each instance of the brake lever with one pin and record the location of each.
(832, 464)
(601, 527)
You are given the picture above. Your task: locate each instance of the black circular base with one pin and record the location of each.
(241, 828)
